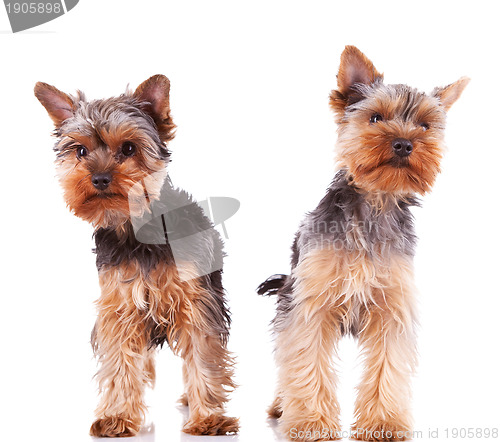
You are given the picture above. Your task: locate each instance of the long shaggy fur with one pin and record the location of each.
(352, 268)
(158, 257)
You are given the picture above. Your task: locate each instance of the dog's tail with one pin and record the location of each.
(272, 285)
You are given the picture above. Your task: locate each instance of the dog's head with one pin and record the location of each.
(111, 153)
(390, 136)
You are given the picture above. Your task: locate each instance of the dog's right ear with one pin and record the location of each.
(59, 105)
(355, 68)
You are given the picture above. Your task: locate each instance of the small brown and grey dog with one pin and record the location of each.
(352, 259)
(111, 162)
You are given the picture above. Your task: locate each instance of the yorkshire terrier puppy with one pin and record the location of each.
(111, 162)
(352, 259)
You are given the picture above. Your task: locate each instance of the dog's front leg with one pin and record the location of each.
(120, 345)
(388, 342)
(200, 333)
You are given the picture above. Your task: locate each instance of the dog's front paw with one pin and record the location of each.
(380, 431)
(312, 430)
(213, 425)
(114, 426)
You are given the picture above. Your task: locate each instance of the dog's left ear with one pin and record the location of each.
(449, 94)
(355, 68)
(154, 93)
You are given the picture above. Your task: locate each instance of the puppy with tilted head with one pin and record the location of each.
(352, 270)
(111, 162)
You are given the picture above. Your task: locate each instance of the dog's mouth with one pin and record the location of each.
(399, 163)
(101, 197)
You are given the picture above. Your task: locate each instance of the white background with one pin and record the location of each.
(250, 84)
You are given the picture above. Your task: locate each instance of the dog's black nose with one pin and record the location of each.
(402, 147)
(101, 180)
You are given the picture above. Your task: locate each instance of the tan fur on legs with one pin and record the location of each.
(150, 369)
(306, 377)
(207, 373)
(335, 290)
(304, 346)
(183, 400)
(120, 345)
(130, 300)
(387, 338)
(208, 365)
(207, 369)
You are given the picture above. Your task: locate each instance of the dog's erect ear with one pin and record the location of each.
(354, 68)
(449, 94)
(155, 93)
(59, 105)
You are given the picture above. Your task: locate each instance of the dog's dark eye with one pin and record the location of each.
(424, 126)
(375, 118)
(81, 151)
(128, 149)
